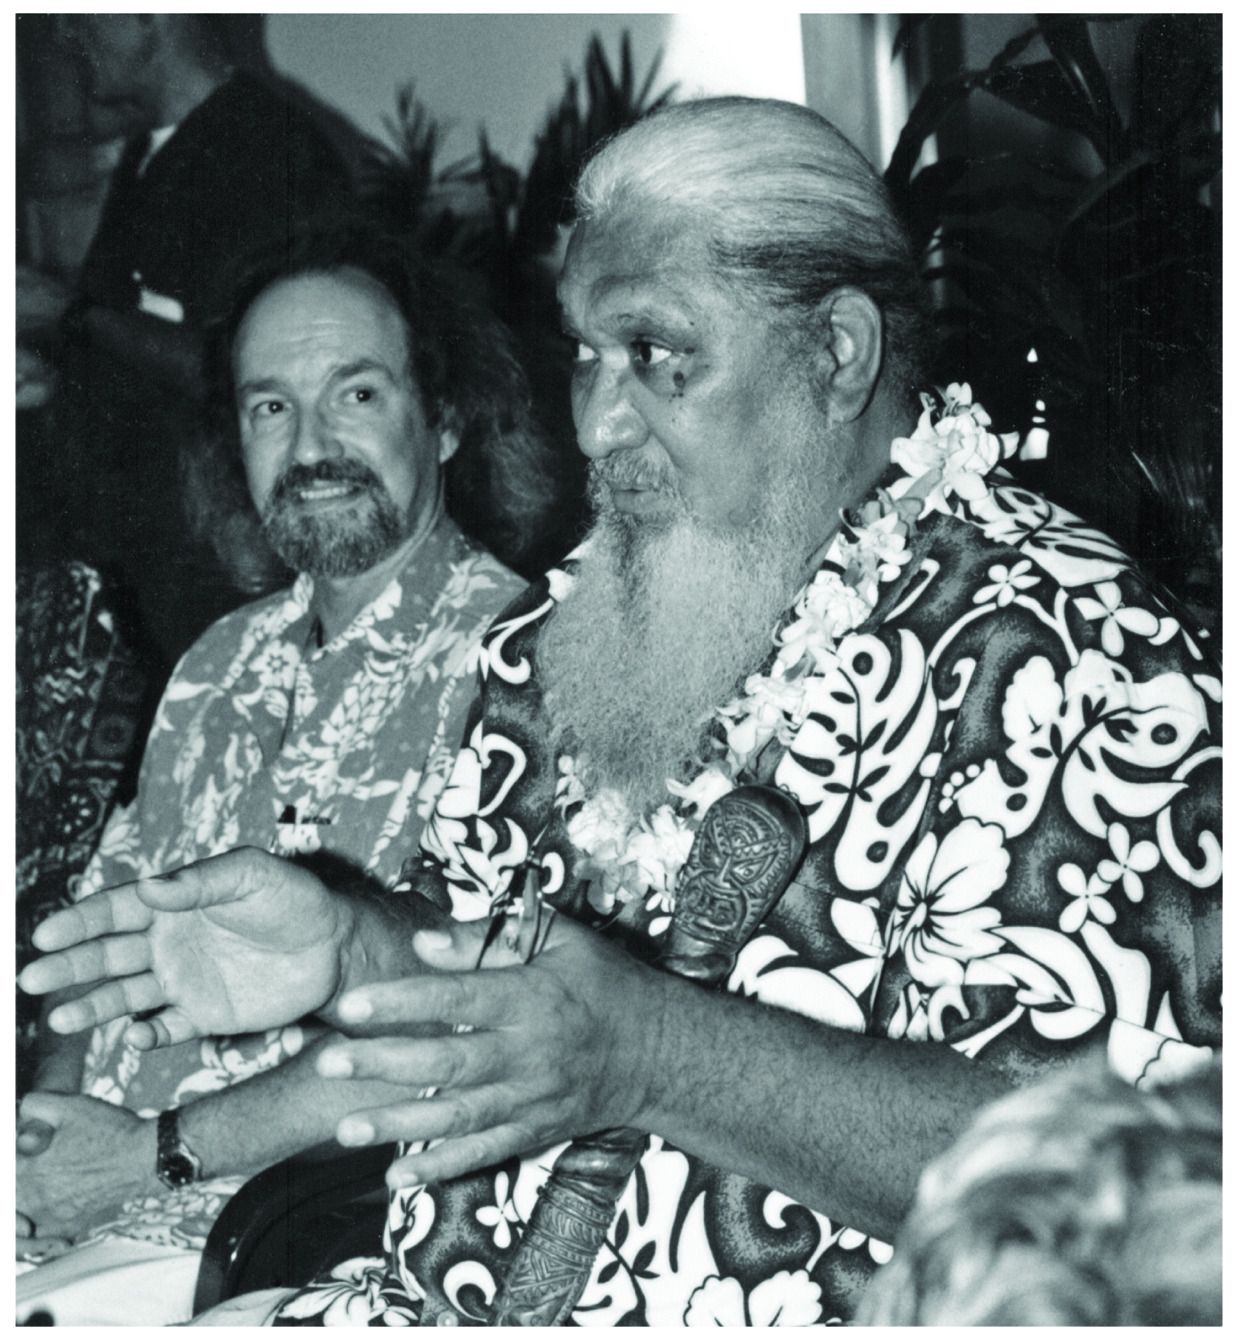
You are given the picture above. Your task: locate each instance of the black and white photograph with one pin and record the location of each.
(618, 669)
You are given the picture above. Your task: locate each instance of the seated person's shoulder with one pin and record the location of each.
(1015, 546)
(479, 585)
(251, 623)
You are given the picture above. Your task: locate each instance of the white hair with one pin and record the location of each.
(786, 204)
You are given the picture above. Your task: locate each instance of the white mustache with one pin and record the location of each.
(619, 473)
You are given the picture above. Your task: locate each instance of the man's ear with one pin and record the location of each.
(849, 347)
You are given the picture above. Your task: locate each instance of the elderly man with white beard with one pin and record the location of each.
(1001, 748)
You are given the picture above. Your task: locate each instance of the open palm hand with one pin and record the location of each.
(241, 942)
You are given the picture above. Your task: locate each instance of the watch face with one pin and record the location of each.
(175, 1164)
(177, 1170)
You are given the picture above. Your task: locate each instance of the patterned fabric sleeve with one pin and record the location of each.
(1040, 739)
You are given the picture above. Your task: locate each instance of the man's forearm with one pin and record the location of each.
(843, 1122)
(290, 1109)
(245, 1128)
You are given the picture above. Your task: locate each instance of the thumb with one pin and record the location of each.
(454, 948)
(218, 880)
(34, 1137)
(44, 1109)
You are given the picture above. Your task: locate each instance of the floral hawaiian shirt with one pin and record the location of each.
(263, 738)
(1012, 785)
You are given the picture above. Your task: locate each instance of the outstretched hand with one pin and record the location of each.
(543, 1052)
(242, 942)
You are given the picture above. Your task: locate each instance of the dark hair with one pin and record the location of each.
(786, 204)
(499, 484)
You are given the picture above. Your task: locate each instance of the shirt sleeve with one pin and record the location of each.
(1062, 891)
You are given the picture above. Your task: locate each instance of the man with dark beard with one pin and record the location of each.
(1003, 750)
(317, 721)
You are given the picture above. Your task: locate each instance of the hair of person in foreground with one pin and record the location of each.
(1077, 1201)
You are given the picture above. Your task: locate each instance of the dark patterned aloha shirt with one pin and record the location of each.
(1012, 785)
(79, 699)
(263, 738)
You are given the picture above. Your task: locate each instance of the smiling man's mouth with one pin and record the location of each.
(324, 485)
(319, 492)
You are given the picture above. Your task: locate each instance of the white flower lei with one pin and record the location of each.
(950, 453)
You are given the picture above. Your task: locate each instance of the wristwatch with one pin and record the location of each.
(176, 1163)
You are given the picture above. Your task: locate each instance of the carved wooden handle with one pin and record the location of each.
(744, 854)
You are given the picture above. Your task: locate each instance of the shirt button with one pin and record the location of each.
(447, 1318)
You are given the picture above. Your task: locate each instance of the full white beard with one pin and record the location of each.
(663, 624)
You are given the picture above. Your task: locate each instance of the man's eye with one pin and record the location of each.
(359, 395)
(264, 410)
(650, 353)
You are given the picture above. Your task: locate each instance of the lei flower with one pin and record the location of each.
(629, 858)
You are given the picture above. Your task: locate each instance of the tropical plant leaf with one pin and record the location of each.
(1014, 47)
(1042, 90)
(906, 32)
(1068, 40)
(935, 101)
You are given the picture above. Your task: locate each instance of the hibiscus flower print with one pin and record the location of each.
(785, 1299)
(1007, 583)
(941, 921)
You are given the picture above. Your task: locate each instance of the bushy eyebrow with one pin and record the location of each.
(346, 371)
(637, 312)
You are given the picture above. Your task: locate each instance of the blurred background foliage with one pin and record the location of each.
(1096, 243)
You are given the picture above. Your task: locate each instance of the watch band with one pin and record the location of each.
(176, 1163)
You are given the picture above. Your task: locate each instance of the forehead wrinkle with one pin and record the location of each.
(633, 300)
(341, 372)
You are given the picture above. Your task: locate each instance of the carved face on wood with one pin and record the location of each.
(740, 862)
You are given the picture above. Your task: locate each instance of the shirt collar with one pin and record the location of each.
(418, 581)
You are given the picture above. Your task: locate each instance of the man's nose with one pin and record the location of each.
(314, 440)
(606, 419)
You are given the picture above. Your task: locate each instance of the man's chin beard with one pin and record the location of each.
(664, 622)
(336, 548)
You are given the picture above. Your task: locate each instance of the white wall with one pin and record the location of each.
(506, 70)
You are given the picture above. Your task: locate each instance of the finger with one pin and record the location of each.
(476, 998)
(438, 1061)
(117, 998)
(221, 880)
(170, 1027)
(102, 959)
(37, 1249)
(461, 947)
(118, 910)
(33, 1137)
(456, 948)
(456, 1157)
(445, 1115)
